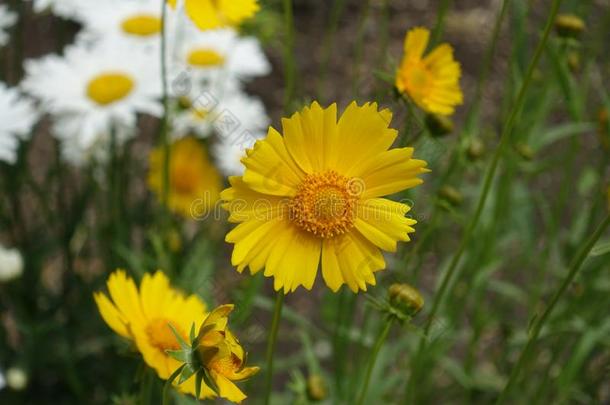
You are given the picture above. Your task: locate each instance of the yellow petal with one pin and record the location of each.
(416, 42)
(111, 315)
(227, 389)
(124, 294)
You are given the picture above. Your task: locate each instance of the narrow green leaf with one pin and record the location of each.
(187, 372)
(185, 346)
(601, 249)
(179, 355)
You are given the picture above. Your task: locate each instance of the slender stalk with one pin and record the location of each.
(163, 135)
(539, 323)
(359, 47)
(373, 359)
(448, 276)
(277, 314)
(289, 64)
(437, 32)
(329, 39)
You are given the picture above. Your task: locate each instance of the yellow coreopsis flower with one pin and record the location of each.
(431, 81)
(194, 183)
(314, 196)
(210, 14)
(144, 316)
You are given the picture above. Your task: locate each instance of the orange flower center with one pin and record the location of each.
(185, 178)
(226, 365)
(417, 79)
(324, 204)
(161, 336)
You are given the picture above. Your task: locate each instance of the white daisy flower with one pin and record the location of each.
(136, 21)
(226, 114)
(11, 264)
(7, 19)
(63, 8)
(217, 54)
(92, 91)
(17, 116)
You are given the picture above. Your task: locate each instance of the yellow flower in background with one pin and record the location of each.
(313, 196)
(194, 183)
(431, 81)
(220, 353)
(210, 14)
(143, 316)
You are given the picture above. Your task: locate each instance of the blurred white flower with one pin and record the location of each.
(138, 22)
(7, 19)
(227, 153)
(16, 378)
(11, 265)
(2, 381)
(217, 55)
(63, 8)
(227, 114)
(92, 91)
(17, 116)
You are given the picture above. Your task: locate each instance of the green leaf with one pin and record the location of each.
(185, 346)
(198, 379)
(187, 372)
(601, 249)
(209, 381)
(179, 355)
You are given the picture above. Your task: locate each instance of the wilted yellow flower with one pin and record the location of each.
(569, 25)
(194, 183)
(221, 354)
(431, 81)
(210, 14)
(314, 196)
(144, 316)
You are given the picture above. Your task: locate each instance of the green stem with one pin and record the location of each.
(359, 48)
(164, 138)
(437, 32)
(277, 314)
(327, 46)
(289, 64)
(448, 276)
(539, 323)
(373, 359)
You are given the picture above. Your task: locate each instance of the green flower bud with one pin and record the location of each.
(476, 149)
(451, 195)
(316, 388)
(573, 59)
(525, 151)
(439, 125)
(569, 25)
(406, 298)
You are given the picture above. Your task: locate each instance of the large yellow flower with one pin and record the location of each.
(194, 183)
(210, 14)
(313, 196)
(431, 81)
(144, 317)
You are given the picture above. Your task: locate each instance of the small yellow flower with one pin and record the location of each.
(210, 14)
(314, 196)
(194, 183)
(144, 316)
(221, 354)
(431, 81)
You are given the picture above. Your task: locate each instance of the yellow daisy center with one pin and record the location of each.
(142, 25)
(185, 178)
(108, 88)
(160, 334)
(205, 57)
(324, 204)
(226, 365)
(418, 79)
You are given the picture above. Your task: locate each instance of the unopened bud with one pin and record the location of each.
(406, 298)
(16, 379)
(316, 388)
(451, 195)
(525, 151)
(573, 59)
(476, 149)
(569, 25)
(439, 125)
(184, 103)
